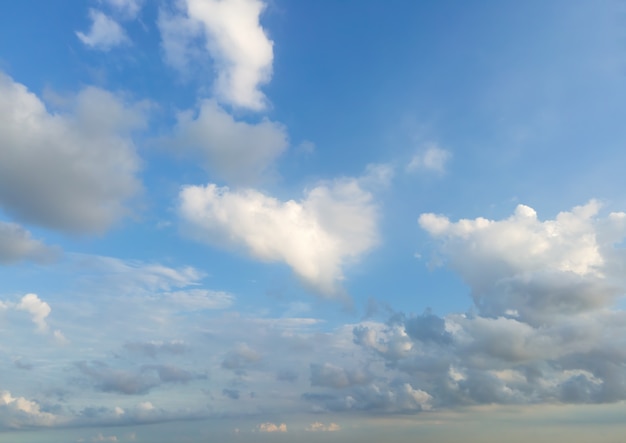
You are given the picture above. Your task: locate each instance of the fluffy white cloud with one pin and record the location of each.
(38, 309)
(334, 224)
(535, 269)
(104, 34)
(16, 243)
(433, 158)
(70, 171)
(236, 151)
(235, 40)
(271, 427)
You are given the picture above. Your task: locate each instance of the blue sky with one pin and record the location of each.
(344, 221)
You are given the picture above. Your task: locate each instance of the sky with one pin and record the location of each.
(268, 221)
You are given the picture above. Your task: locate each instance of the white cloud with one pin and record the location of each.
(128, 8)
(333, 225)
(535, 269)
(235, 151)
(433, 158)
(71, 171)
(38, 309)
(105, 33)
(19, 412)
(234, 38)
(136, 277)
(16, 244)
(271, 427)
(321, 427)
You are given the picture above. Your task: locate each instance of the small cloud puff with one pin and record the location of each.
(433, 158)
(105, 33)
(271, 427)
(321, 427)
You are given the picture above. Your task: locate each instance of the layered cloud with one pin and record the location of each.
(235, 151)
(232, 35)
(332, 225)
(17, 244)
(71, 171)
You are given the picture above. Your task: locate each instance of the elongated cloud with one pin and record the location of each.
(333, 225)
(71, 171)
(234, 39)
(321, 427)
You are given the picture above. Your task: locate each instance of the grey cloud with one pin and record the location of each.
(16, 244)
(500, 360)
(539, 297)
(20, 363)
(233, 394)
(235, 151)
(328, 375)
(428, 328)
(287, 375)
(136, 382)
(386, 397)
(108, 379)
(70, 171)
(152, 349)
(241, 358)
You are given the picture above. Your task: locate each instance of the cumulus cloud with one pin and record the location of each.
(383, 396)
(19, 412)
(433, 158)
(271, 427)
(235, 151)
(105, 33)
(535, 269)
(70, 171)
(38, 309)
(235, 40)
(544, 329)
(333, 225)
(16, 244)
(321, 427)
